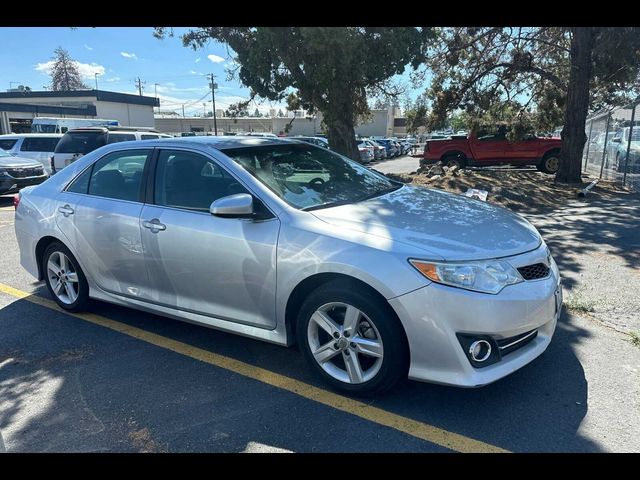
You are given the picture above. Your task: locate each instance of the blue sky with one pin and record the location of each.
(120, 55)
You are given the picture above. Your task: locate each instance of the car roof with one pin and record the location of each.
(31, 135)
(113, 129)
(220, 142)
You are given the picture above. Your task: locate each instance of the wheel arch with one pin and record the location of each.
(551, 151)
(307, 285)
(454, 153)
(41, 246)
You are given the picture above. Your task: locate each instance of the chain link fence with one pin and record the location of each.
(612, 151)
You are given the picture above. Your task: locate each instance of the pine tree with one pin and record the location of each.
(64, 73)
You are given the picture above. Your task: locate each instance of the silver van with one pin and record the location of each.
(80, 141)
(36, 146)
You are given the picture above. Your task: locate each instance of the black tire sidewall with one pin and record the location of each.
(83, 295)
(543, 164)
(395, 361)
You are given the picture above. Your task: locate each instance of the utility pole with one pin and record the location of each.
(155, 93)
(183, 110)
(139, 84)
(213, 101)
(204, 109)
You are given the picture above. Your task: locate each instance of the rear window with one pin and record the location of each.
(80, 142)
(7, 144)
(148, 137)
(39, 144)
(120, 137)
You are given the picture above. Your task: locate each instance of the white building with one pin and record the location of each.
(18, 108)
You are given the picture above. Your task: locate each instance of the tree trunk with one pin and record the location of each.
(575, 113)
(341, 125)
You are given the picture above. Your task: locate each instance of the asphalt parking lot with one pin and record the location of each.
(118, 380)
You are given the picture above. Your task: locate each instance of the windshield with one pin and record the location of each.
(43, 128)
(80, 142)
(635, 135)
(308, 177)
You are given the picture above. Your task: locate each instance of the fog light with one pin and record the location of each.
(480, 350)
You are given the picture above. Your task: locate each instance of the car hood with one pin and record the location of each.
(451, 226)
(18, 162)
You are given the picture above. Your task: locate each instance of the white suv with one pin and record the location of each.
(37, 146)
(80, 141)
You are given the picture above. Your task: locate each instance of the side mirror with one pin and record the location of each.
(239, 205)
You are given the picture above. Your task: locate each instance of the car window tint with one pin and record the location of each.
(81, 183)
(148, 137)
(192, 181)
(8, 144)
(80, 142)
(119, 175)
(39, 144)
(120, 137)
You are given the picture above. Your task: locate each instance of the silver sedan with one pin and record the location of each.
(289, 243)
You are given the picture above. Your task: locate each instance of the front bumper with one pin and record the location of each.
(432, 317)
(10, 184)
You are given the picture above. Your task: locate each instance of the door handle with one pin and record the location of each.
(154, 225)
(66, 210)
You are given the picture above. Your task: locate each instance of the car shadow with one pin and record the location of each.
(87, 388)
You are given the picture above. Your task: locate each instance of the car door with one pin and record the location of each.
(489, 146)
(218, 267)
(99, 214)
(522, 152)
(40, 149)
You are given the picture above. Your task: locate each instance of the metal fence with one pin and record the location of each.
(612, 151)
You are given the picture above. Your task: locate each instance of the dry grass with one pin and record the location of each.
(520, 190)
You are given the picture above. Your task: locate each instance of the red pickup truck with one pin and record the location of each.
(493, 148)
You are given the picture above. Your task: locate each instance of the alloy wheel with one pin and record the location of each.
(345, 343)
(63, 278)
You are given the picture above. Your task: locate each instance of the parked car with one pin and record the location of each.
(37, 146)
(599, 144)
(489, 146)
(374, 280)
(366, 153)
(317, 141)
(379, 151)
(619, 144)
(80, 141)
(371, 148)
(18, 172)
(392, 149)
(398, 146)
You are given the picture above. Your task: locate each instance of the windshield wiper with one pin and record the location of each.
(325, 205)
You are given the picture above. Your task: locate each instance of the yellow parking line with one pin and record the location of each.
(423, 431)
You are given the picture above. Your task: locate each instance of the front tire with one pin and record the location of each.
(65, 279)
(352, 339)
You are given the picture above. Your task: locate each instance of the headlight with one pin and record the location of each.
(489, 276)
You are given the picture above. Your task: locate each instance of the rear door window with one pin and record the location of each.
(120, 137)
(118, 175)
(41, 144)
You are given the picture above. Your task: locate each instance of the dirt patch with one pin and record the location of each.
(522, 191)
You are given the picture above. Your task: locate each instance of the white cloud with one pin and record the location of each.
(112, 79)
(198, 59)
(88, 47)
(215, 58)
(129, 55)
(193, 72)
(86, 70)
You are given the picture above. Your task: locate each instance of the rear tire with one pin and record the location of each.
(455, 160)
(550, 163)
(65, 279)
(366, 355)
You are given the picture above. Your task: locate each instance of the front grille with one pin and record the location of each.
(25, 172)
(511, 344)
(534, 272)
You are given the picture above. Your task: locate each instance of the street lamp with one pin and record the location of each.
(95, 74)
